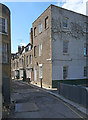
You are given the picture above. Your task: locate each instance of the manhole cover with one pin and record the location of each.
(25, 107)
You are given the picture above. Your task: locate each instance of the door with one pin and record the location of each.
(35, 75)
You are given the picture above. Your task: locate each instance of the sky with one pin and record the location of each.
(23, 14)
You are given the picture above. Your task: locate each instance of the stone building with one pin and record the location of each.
(5, 52)
(60, 47)
(22, 67)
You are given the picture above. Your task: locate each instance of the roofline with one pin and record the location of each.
(60, 8)
(69, 10)
(5, 7)
(41, 14)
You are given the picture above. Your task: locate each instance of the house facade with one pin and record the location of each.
(22, 67)
(5, 53)
(60, 47)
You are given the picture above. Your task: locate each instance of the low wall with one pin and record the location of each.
(71, 81)
(78, 94)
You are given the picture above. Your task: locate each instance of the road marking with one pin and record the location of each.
(67, 106)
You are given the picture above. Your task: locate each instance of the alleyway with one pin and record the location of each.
(32, 102)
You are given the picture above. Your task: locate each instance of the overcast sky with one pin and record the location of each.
(23, 15)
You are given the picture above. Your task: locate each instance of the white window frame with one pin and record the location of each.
(40, 71)
(40, 27)
(40, 49)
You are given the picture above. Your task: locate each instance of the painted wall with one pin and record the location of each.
(76, 37)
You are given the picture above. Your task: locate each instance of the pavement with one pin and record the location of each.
(31, 101)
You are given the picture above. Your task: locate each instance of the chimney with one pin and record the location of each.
(31, 35)
(19, 49)
(22, 48)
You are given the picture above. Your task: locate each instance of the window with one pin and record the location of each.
(85, 27)
(35, 51)
(40, 70)
(85, 71)
(46, 22)
(35, 31)
(65, 46)
(40, 49)
(65, 72)
(85, 49)
(30, 59)
(65, 22)
(40, 28)
(20, 61)
(3, 25)
(17, 63)
(5, 53)
(27, 60)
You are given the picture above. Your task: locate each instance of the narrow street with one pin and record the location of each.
(31, 102)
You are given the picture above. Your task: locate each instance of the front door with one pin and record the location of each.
(35, 75)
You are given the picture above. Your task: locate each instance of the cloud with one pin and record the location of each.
(78, 6)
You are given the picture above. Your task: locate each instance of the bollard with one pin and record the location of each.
(41, 82)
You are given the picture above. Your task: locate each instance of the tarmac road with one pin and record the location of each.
(31, 102)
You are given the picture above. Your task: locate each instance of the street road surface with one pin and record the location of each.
(31, 102)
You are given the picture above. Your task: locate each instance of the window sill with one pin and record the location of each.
(46, 28)
(35, 36)
(65, 53)
(3, 33)
(40, 32)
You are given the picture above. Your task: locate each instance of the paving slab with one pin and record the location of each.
(26, 107)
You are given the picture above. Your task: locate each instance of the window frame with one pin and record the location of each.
(5, 57)
(46, 22)
(40, 49)
(65, 75)
(35, 31)
(40, 28)
(65, 22)
(3, 25)
(65, 47)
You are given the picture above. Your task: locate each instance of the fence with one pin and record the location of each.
(76, 93)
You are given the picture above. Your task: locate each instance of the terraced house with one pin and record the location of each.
(60, 47)
(5, 53)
